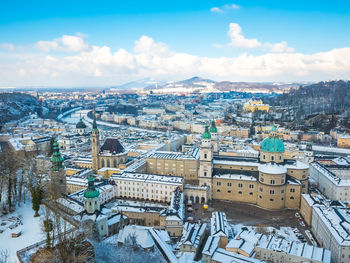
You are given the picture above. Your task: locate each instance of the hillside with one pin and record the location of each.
(331, 97)
(14, 106)
(323, 106)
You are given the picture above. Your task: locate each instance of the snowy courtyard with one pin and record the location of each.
(21, 220)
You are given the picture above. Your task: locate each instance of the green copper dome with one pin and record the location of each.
(206, 133)
(56, 158)
(80, 124)
(213, 128)
(272, 144)
(91, 191)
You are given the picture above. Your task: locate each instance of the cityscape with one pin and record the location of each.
(174, 150)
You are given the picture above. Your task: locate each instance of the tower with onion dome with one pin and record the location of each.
(206, 160)
(58, 176)
(80, 127)
(91, 197)
(214, 136)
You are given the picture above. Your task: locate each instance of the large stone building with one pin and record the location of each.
(269, 180)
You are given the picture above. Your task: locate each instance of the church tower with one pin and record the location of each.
(214, 136)
(206, 161)
(91, 197)
(58, 175)
(95, 144)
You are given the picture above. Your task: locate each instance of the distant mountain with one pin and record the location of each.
(14, 106)
(139, 84)
(195, 81)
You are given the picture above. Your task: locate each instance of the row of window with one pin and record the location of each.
(229, 191)
(240, 185)
(271, 199)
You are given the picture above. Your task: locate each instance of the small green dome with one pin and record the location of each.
(272, 144)
(213, 128)
(80, 124)
(206, 133)
(91, 191)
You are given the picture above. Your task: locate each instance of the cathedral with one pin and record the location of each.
(270, 181)
(111, 154)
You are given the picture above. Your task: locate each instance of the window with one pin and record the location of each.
(271, 199)
(262, 179)
(240, 185)
(240, 192)
(229, 191)
(280, 157)
(218, 190)
(205, 156)
(282, 191)
(260, 189)
(264, 157)
(272, 158)
(292, 197)
(272, 192)
(229, 184)
(218, 183)
(205, 173)
(260, 196)
(251, 193)
(272, 181)
(292, 190)
(251, 186)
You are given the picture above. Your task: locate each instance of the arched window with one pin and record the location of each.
(115, 163)
(108, 163)
(103, 163)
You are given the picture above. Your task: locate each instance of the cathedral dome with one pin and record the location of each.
(272, 144)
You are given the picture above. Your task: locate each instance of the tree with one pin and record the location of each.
(37, 196)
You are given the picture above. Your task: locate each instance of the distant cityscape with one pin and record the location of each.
(195, 176)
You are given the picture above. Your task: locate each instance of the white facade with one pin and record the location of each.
(331, 185)
(146, 186)
(330, 226)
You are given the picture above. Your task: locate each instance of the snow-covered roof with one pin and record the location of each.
(141, 233)
(272, 168)
(219, 225)
(223, 256)
(149, 178)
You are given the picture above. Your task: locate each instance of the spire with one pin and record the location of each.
(213, 128)
(94, 124)
(206, 133)
(56, 158)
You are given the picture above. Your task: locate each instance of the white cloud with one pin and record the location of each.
(280, 47)
(238, 40)
(7, 46)
(223, 8)
(216, 9)
(100, 65)
(66, 43)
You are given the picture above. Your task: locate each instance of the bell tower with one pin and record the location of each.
(214, 136)
(91, 197)
(95, 144)
(206, 161)
(58, 182)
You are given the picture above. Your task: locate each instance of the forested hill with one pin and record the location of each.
(331, 97)
(14, 106)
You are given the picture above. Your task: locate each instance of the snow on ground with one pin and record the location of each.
(31, 230)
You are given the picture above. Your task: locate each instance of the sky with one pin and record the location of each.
(107, 43)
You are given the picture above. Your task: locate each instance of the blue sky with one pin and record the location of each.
(263, 33)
